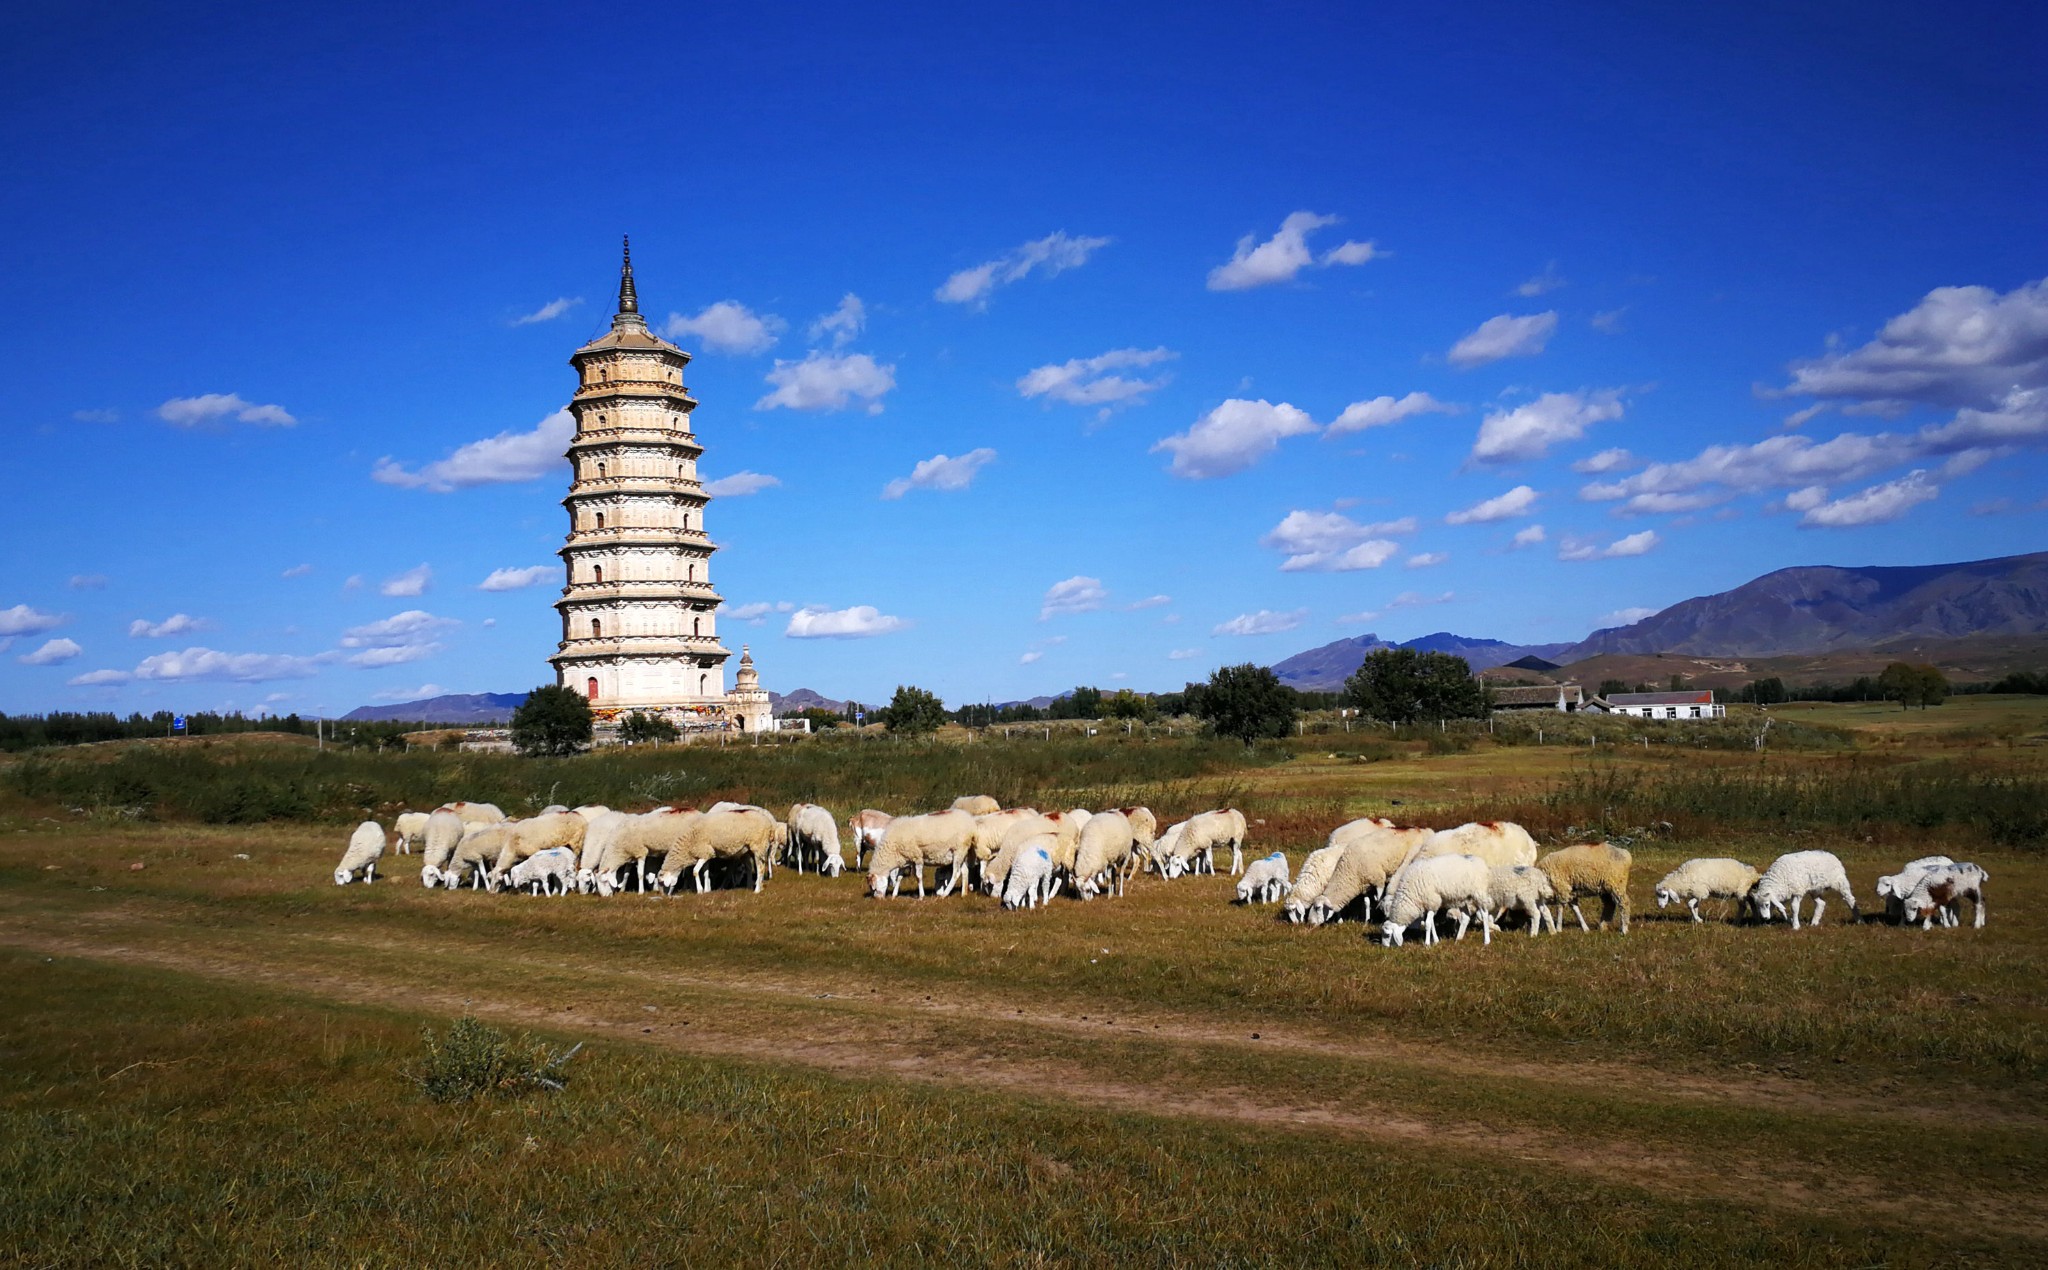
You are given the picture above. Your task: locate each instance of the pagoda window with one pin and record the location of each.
(596, 629)
(696, 626)
(597, 573)
(600, 520)
(600, 471)
(703, 684)
(592, 692)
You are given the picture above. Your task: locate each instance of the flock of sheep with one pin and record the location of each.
(1406, 876)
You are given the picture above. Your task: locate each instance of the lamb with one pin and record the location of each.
(1164, 848)
(444, 831)
(1894, 888)
(814, 837)
(735, 833)
(1524, 889)
(1940, 891)
(1590, 868)
(1460, 884)
(1309, 883)
(987, 838)
(1105, 848)
(976, 804)
(866, 828)
(365, 845)
(912, 842)
(531, 837)
(1369, 852)
(1031, 879)
(1709, 878)
(1066, 834)
(476, 813)
(556, 865)
(473, 855)
(1794, 876)
(1264, 881)
(411, 830)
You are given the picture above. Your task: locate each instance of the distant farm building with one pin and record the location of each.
(1661, 705)
(1560, 697)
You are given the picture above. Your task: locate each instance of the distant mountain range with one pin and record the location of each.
(474, 708)
(1325, 669)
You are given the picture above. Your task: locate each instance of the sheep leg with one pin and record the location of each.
(1694, 905)
(1429, 928)
(1581, 915)
(1819, 906)
(1464, 923)
(1236, 858)
(1979, 923)
(1797, 901)
(1486, 928)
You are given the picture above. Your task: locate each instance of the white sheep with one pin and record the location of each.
(1707, 878)
(653, 835)
(474, 855)
(912, 842)
(1590, 868)
(1104, 851)
(814, 839)
(1524, 889)
(976, 804)
(1940, 891)
(733, 833)
(866, 827)
(1164, 847)
(990, 831)
(555, 865)
(531, 837)
(1369, 853)
(1031, 878)
(409, 831)
(365, 845)
(444, 831)
(1794, 876)
(476, 813)
(1210, 830)
(1893, 888)
(1061, 825)
(1264, 880)
(598, 837)
(1309, 883)
(1459, 884)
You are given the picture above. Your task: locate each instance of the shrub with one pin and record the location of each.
(475, 1059)
(637, 727)
(551, 721)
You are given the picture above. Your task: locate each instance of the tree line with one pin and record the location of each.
(63, 727)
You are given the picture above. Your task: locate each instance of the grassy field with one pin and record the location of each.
(203, 1057)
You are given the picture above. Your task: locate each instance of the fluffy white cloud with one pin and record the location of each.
(99, 679)
(399, 694)
(1873, 506)
(174, 625)
(1805, 500)
(1428, 558)
(941, 472)
(1263, 622)
(51, 653)
(858, 622)
(1586, 549)
(1182, 654)
(1529, 537)
(1029, 657)
(208, 663)
(1381, 411)
(1331, 542)
(1416, 600)
(740, 484)
(1232, 437)
(400, 638)
(1529, 430)
(1960, 346)
(412, 582)
(23, 620)
(1149, 602)
(842, 325)
(1078, 594)
(506, 458)
(550, 311)
(188, 412)
(728, 327)
(1284, 255)
(1504, 336)
(1615, 460)
(759, 610)
(1608, 321)
(1518, 501)
(828, 381)
(1055, 253)
(297, 571)
(1088, 381)
(1626, 617)
(1543, 283)
(513, 579)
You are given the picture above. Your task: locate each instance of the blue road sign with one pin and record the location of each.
(178, 723)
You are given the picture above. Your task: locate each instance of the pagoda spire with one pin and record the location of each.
(628, 301)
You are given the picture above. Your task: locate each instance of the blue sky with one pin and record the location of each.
(1303, 318)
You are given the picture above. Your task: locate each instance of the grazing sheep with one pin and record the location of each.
(1894, 888)
(1031, 879)
(598, 837)
(1524, 889)
(1794, 876)
(365, 845)
(1164, 847)
(635, 841)
(444, 831)
(1309, 883)
(987, 838)
(1940, 891)
(591, 811)
(1211, 830)
(409, 831)
(814, 839)
(1709, 878)
(866, 828)
(472, 858)
(531, 837)
(556, 865)
(1104, 850)
(1459, 884)
(976, 804)
(1369, 852)
(476, 813)
(1264, 881)
(912, 842)
(1066, 834)
(734, 833)
(1591, 868)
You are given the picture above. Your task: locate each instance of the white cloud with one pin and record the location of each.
(1416, 600)
(1029, 657)
(1428, 558)
(1547, 281)
(1626, 617)
(506, 458)
(759, 610)
(1331, 542)
(1055, 253)
(941, 472)
(1788, 459)
(207, 663)
(858, 622)
(1960, 346)
(401, 694)
(1232, 437)
(1285, 254)
(1263, 622)
(88, 582)
(1381, 411)
(1078, 594)
(828, 381)
(1608, 321)
(550, 311)
(842, 325)
(728, 327)
(1355, 619)
(1519, 501)
(1182, 654)
(1529, 430)
(402, 637)
(23, 620)
(297, 571)
(740, 484)
(1087, 381)
(1876, 505)
(413, 581)
(354, 582)
(1504, 336)
(512, 579)
(1529, 537)
(98, 678)
(96, 416)
(1614, 460)
(174, 625)
(1149, 602)
(396, 655)
(188, 412)
(1587, 549)
(1669, 504)
(51, 653)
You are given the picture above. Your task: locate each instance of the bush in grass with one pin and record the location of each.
(551, 721)
(475, 1059)
(637, 727)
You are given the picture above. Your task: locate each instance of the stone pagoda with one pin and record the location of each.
(639, 617)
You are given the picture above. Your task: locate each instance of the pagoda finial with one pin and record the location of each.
(628, 301)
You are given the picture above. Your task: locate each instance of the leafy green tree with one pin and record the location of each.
(820, 718)
(1125, 704)
(912, 711)
(1247, 702)
(638, 726)
(1608, 687)
(1768, 692)
(552, 720)
(1912, 684)
(1401, 685)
